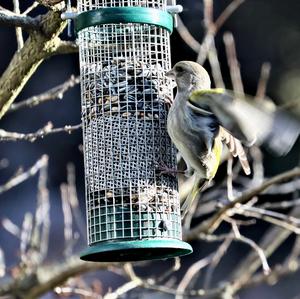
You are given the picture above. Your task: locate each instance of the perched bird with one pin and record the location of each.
(202, 120)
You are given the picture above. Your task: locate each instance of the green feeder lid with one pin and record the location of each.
(131, 14)
(137, 250)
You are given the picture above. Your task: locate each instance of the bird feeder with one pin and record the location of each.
(133, 210)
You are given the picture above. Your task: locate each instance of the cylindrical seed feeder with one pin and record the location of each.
(133, 210)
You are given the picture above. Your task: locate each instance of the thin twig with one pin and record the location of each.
(233, 63)
(213, 27)
(26, 235)
(215, 66)
(73, 199)
(281, 205)
(76, 291)
(293, 257)
(125, 288)
(208, 13)
(270, 241)
(20, 178)
(2, 263)
(205, 47)
(276, 221)
(68, 220)
(210, 32)
(51, 94)
(257, 165)
(42, 215)
(19, 34)
(254, 246)
(135, 282)
(30, 8)
(186, 35)
(229, 179)
(285, 188)
(192, 42)
(226, 14)
(221, 251)
(190, 273)
(263, 81)
(11, 227)
(172, 270)
(287, 218)
(41, 133)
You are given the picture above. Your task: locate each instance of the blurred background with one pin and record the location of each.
(264, 31)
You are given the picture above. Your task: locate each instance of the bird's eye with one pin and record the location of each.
(179, 69)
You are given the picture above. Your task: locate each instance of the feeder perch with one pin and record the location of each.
(133, 210)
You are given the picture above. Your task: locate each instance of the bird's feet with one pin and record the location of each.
(163, 169)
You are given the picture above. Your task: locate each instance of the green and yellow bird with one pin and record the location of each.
(202, 120)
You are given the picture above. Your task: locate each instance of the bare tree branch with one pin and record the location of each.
(210, 224)
(254, 246)
(46, 278)
(186, 36)
(213, 27)
(24, 175)
(271, 240)
(41, 133)
(66, 47)
(226, 14)
(24, 22)
(51, 94)
(39, 46)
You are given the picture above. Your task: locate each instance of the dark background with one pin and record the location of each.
(263, 31)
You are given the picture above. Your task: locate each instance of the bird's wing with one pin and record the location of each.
(235, 147)
(249, 120)
(215, 102)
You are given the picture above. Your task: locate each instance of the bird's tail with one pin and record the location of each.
(199, 184)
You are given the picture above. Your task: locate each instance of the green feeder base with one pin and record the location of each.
(138, 250)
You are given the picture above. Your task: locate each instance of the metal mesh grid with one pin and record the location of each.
(125, 99)
(94, 4)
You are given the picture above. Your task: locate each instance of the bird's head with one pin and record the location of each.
(189, 76)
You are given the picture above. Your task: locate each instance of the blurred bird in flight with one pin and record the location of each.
(202, 120)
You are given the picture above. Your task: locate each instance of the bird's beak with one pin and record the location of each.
(170, 74)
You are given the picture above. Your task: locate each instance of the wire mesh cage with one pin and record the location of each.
(133, 210)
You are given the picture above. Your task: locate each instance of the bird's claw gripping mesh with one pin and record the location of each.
(125, 100)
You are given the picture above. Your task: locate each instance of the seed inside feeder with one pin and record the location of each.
(126, 89)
